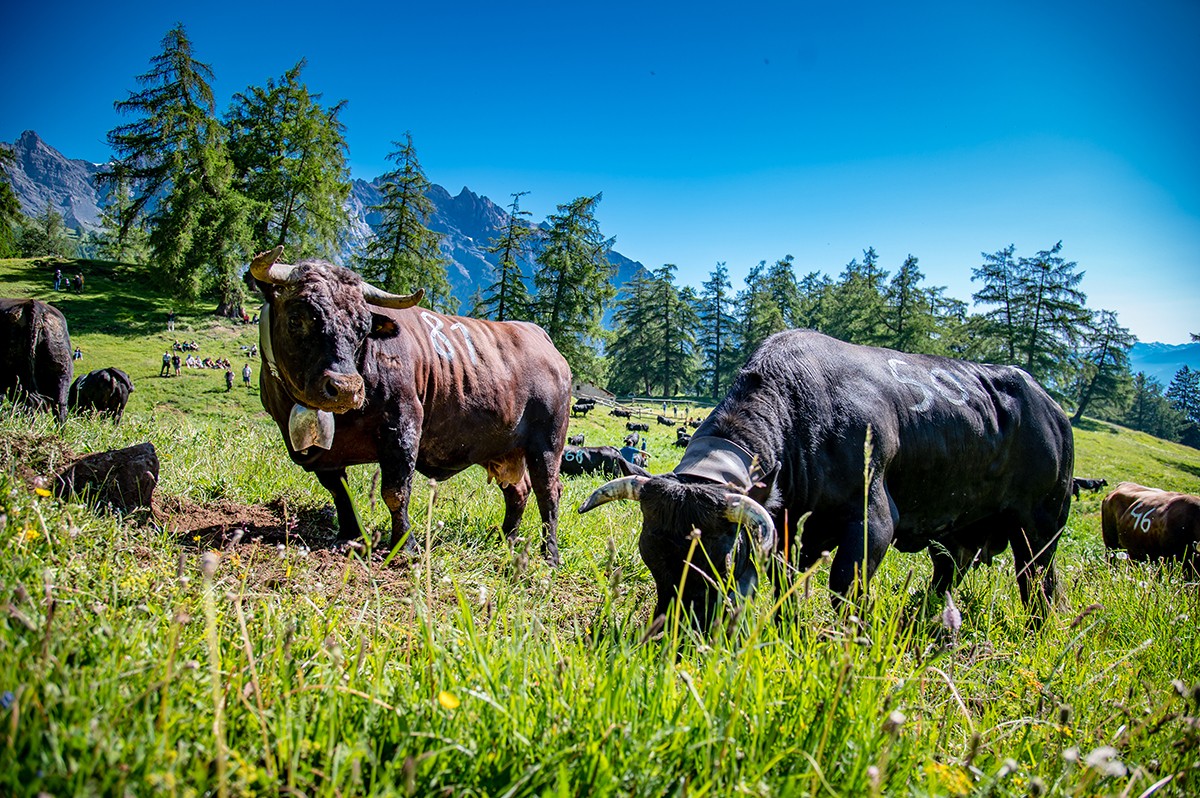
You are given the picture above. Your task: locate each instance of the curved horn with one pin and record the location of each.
(747, 513)
(381, 298)
(266, 270)
(623, 488)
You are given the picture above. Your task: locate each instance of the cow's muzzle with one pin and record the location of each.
(338, 393)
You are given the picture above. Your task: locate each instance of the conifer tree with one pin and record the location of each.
(675, 339)
(815, 301)
(858, 302)
(116, 242)
(908, 318)
(174, 158)
(1001, 288)
(1053, 312)
(632, 354)
(289, 156)
(759, 313)
(574, 284)
(47, 234)
(508, 297)
(10, 208)
(403, 254)
(1103, 364)
(1150, 411)
(717, 331)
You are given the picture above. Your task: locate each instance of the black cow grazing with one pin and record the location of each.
(355, 375)
(633, 439)
(694, 423)
(965, 459)
(104, 391)
(620, 413)
(634, 426)
(576, 440)
(582, 408)
(583, 460)
(666, 422)
(682, 440)
(36, 366)
(1086, 484)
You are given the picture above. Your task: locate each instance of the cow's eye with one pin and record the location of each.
(296, 322)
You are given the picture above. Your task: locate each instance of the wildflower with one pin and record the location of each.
(1104, 760)
(41, 492)
(209, 562)
(894, 722)
(448, 700)
(951, 617)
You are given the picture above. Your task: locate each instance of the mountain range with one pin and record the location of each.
(467, 221)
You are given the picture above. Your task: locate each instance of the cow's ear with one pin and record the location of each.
(383, 326)
(763, 485)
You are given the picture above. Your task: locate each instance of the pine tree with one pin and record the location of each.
(574, 284)
(1052, 312)
(174, 158)
(1002, 288)
(1184, 393)
(289, 155)
(1150, 411)
(404, 255)
(508, 297)
(759, 313)
(858, 302)
(816, 300)
(717, 331)
(908, 318)
(10, 208)
(675, 340)
(116, 242)
(632, 354)
(1103, 364)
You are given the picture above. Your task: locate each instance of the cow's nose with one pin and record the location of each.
(340, 386)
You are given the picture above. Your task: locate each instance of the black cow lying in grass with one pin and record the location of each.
(583, 460)
(964, 460)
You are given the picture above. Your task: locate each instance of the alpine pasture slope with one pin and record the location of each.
(218, 646)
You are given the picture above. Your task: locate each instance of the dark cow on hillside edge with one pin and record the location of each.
(634, 426)
(104, 391)
(666, 422)
(1151, 524)
(1078, 484)
(582, 408)
(620, 413)
(965, 459)
(582, 460)
(355, 375)
(35, 355)
(576, 440)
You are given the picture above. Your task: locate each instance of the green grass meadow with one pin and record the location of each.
(217, 646)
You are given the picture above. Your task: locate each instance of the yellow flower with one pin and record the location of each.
(448, 700)
(41, 491)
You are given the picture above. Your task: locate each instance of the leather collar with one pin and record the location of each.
(719, 460)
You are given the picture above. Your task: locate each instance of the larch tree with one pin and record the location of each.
(574, 284)
(908, 318)
(857, 311)
(404, 253)
(289, 156)
(10, 207)
(507, 297)
(632, 353)
(46, 234)
(1053, 312)
(675, 339)
(174, 159)
(1001, 288)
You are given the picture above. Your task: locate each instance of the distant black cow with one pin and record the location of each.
(582, 460)
(576, 440)
(666, 422)
(619, 413)
(964, 460)
(635, 426)
(104, 391)
(582, 408)
(694, 423)
(35, 355)
(1086, 484)
(633, 439)
(682, 440)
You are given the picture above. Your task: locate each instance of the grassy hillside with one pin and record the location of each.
(218, 643)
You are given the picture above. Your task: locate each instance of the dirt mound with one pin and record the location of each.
(218, 523)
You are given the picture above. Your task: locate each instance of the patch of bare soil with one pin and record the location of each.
(218, 524)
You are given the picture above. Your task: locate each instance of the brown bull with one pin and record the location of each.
(355, 375)
(1150, 523)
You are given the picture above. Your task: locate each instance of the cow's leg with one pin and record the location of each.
(515, 498)
(334, 481)
(846, 577)
(1033, 557)
(543, 464)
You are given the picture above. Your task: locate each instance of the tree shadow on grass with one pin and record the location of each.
(1092, 425)
(1187, 468)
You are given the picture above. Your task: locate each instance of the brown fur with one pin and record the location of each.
(1150, 523)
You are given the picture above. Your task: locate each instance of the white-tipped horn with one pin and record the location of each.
(380, 298)
(623, 488)
(266, 270)
(753, 517)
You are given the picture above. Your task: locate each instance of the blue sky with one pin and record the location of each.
(732, 132)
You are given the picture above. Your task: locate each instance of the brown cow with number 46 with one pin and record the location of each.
(1151, 524)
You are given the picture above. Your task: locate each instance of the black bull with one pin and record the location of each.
(580, 460)
(965, 459)
(35, 354)
(412, 390)
(105, 391)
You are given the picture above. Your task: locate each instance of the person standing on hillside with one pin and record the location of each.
(166, 367)
(175, 363)
(171, 321)
(79, 282)
(228, 380)
(58, 279)
(246, 375)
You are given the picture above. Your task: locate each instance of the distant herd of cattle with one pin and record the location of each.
(962, 459)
